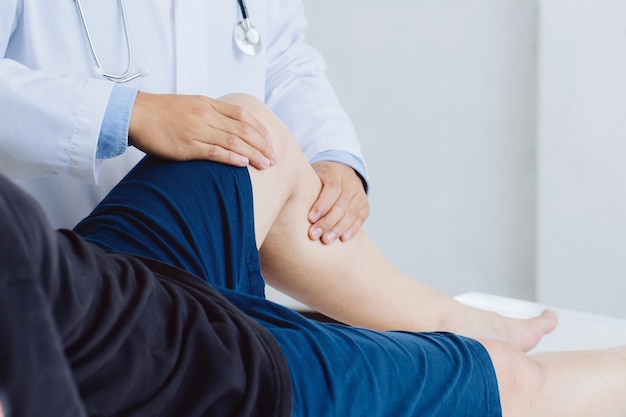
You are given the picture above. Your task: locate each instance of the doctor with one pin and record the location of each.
(82, 80)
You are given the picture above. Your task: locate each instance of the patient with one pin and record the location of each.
(155, 214)
(120, 332)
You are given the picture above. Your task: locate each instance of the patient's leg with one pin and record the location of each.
(352, 281)
(566, 384)
(33, 366)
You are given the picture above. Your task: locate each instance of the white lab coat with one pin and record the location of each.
(52, 106)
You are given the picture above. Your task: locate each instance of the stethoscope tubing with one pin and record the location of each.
(244, 9)
(246, 38)
(124, 77)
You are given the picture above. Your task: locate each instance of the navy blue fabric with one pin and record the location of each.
(85, 332)
(344, 371)
(197, 216)
(4, 405)
(183, 213)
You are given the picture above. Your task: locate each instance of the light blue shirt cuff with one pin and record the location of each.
(346, 158)
(113, 139)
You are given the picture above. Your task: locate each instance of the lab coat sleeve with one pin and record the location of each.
(50, 124)
(299, 92)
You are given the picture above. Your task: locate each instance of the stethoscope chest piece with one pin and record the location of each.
(247, 38)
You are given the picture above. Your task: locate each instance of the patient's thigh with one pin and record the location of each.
(194, 215)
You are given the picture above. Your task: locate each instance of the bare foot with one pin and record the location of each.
(522, 333)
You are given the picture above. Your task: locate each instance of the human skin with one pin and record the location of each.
(186, 127)
(354, 283)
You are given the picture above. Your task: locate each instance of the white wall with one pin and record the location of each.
(442, 94)
(582, 169)
(493, 164)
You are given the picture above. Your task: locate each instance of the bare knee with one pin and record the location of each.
(519, 378)
(254, 106)
(290, 158)
(282, 138)
(242, 99)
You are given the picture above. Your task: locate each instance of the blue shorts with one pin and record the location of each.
(198, 216)
(344, 371)
(195, 215)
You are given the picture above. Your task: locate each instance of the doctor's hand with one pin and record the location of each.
(342, 206)
(182, 127)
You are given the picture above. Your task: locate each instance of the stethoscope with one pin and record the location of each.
(247, 39)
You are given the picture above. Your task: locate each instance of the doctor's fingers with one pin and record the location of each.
(235, 149)
(242, 115)
(356, 225)
(243, 138)
(348, 225)
(344, 218)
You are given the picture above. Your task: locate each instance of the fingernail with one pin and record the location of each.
(244, 160)
(265, 162)
(274, 158)
(330, 237)
(315, 216)
(317, 233)
(269, 139)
